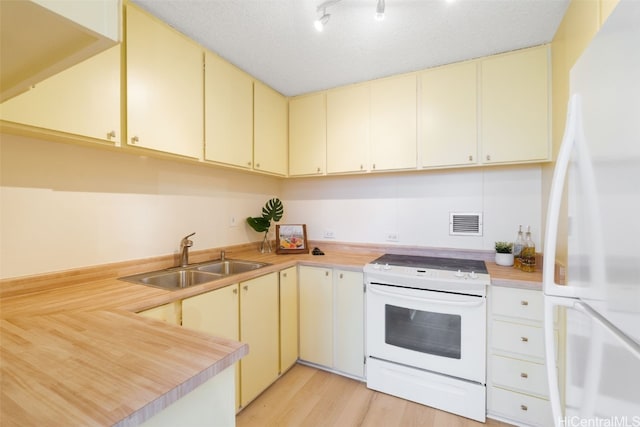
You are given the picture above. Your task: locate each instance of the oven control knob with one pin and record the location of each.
(473, 275)
(459, 274)
(387, 267)
(376, 266)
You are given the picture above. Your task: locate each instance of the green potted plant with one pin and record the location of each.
(272, 211)
(504, 253)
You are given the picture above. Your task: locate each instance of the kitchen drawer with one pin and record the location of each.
(519, 375)
(520, 303)
(520, 407)
(517, 338)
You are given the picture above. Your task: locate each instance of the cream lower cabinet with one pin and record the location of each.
(259, 327)
(164, 87)
(332, 319)
(517, 389)
(308, 135)
(216, 313)
(288, 318)
(91, 95)
(515, 124)
(170, 313)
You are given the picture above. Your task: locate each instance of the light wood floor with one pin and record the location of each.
(309, 397)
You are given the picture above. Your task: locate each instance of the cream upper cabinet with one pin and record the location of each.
(43, 37)
(449, 115)
(393, 123)
(228, 113)
(270, 130)
(349, 322)
(90, 92)
(307, 135)
(259, 327)
(316, 315)
(515, 106)
(288, 318)
(164, 87)
(348, 123)
(216, 313)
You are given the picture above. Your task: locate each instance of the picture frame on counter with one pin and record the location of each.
(291, 239)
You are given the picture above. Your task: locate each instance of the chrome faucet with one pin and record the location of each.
(185, 244)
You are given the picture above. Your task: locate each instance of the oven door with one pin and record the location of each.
(436, 331)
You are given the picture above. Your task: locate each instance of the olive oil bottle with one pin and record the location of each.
(517, 249)
(528, 254)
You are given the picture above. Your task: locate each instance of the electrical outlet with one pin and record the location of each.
(233, 222)
(392, 237)
(329, 234)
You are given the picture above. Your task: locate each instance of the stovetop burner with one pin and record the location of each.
(434, 263)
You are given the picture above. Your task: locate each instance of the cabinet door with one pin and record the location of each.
(393, 123)
(307, 135)
(316, 315)
(83, 100)
(448, 115)
(259, 328)
(216, 313)
(164, 87)
(169, 313)
(349, 322)
(288, 318)
(515, 106)
(228, 113)
(270, 135)
(348, 129)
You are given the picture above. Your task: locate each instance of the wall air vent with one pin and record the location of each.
(465, 224)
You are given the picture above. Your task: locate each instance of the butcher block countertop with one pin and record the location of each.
(73, 351)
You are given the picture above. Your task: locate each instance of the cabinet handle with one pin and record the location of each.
(284, 274)
(524, 407)
(341, 275)
(135, 140)
(524, 339)
(248, 163)
(318, 170)
(258, 165)
(326, 273)
(488, 157)
(524, 375)
(245, 287)
(374, 166)
(524, 302)
(235, 291)
(471, 158)
(111, 134)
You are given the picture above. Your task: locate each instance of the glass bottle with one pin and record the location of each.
(517, 248)
(528, 254)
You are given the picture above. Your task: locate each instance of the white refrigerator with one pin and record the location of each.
(594, 375)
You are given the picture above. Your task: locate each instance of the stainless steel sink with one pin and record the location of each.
(197, 274)
(230, 266)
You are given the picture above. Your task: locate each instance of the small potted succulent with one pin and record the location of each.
(504, 253)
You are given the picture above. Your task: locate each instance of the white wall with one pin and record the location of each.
(67, 206)
(416, 206)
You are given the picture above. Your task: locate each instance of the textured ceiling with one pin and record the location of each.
(275, 41)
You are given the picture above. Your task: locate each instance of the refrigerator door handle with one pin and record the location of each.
(550, 304)
(555, 200)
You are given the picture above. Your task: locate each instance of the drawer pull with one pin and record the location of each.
(524, 302)
(524, 339)
(524, 407)
(524, 375)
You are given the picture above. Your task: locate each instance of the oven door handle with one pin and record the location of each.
(480, 301)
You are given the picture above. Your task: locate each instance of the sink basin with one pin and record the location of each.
(230, 266)
(183, 277)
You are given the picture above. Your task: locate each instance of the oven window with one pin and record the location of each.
(427, 332)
